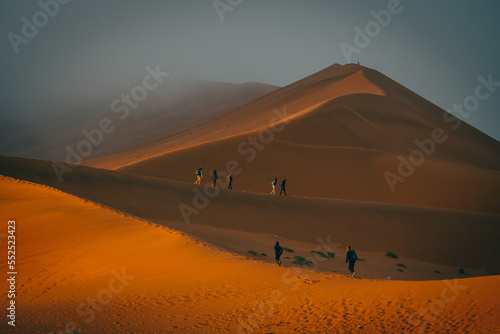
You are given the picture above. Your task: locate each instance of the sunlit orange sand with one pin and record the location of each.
(143, 278)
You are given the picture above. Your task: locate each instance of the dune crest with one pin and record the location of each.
(335, 81)
(387, 133)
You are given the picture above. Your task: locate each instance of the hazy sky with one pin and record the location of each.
(91, 50)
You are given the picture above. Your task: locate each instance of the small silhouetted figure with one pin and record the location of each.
(283, 187)
(278, 251)
(230, 178)
(358, 62)
(199, 175)
(351, 257)
(274, 186)
(215, 177)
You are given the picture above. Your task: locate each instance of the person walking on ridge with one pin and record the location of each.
(278, 251)
(274, 186)
(283, 185)
(199, 175)
(230, 178)
(215, 177)
(351, 257)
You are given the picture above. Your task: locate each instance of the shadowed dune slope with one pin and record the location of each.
(433, 235)
(332, 82)
(85, 265)
(350, 133)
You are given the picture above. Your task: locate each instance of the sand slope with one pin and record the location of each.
(177, 110)
(256, 114)
(73, 252)
(346, 127)
(447, 237)
(174, 106)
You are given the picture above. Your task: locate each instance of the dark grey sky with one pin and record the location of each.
(93, 50)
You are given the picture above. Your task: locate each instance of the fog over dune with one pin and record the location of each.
(85, 54)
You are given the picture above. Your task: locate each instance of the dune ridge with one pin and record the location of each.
(256, 114)
(345, 106)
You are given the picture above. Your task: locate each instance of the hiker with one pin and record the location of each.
(278, 251)
(351, 257)
(274, 186)
(199, 175)
(215, 177)
(283, 185)
(230, 178)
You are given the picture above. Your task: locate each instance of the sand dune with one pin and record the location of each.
(347, 128)
(258, 113)
(142, 278)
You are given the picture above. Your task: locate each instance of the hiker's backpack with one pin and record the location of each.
(354, 256)
(198, 172)
(273, 183)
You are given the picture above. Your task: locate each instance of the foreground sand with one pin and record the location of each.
(71, 251)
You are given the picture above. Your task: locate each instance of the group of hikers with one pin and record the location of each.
(350, 258)
(215, 177)
(282, 185)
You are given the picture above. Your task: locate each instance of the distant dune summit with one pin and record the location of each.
(346, 132)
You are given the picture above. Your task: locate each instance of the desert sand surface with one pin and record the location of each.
(145, 278)
(344, 129)
(439, 236)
